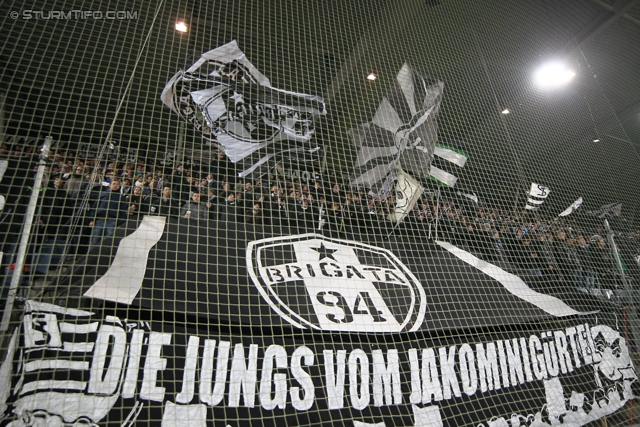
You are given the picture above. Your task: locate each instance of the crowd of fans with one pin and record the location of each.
(82, 202)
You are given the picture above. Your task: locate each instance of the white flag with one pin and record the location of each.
(539, 191)
(534, 201)
(537, 194)
(575, 205)
(408, 191)
(443, 177)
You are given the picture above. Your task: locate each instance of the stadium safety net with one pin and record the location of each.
(319, 213)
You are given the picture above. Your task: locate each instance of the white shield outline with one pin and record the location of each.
(294, 318)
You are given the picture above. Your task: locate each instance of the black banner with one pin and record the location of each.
(74, 366)
(265, 275)
(190, 325)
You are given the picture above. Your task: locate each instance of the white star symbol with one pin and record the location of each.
(237, 98)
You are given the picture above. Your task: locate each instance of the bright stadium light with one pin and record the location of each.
(553, 75)
(372, 77)
(181, 26)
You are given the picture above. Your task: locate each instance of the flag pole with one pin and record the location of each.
(26, 234)
(320, 217)
(633, 315)
(437, 213)
(398, 167)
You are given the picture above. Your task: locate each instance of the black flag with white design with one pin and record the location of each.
(403, 131)
(235, 108)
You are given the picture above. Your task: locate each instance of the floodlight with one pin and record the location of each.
(181, 26)
(553, 75)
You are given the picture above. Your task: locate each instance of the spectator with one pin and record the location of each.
(126, 186)
(601, 260)
(181, 187)
(111, 210)
(527, 256)
(337, 194)
(259, 188)
(334, 216)
(587, 275)
(160, 179)
(226, 190)
(318, 190)
(275, 193)
(564, 256)
(241, 203)
(212, 198)
(248, 191)
(66, 172)
(151, 189)
(229, 208)
(75, 181)
(549, 252)
(164, 204)
(194, 209)
(499, 249)
(254, 215)
(58, 183)
(223, 168)
(135, 201)
(304, 215)
(109, 177)
(210, 181)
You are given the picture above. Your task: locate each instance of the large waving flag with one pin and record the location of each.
(235, 108)
(613, 209)
(403, 131)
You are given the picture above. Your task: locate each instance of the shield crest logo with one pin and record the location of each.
(316, 282)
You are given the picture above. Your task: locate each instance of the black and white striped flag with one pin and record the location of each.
(537, 195)
(236, 109)
(403, 131)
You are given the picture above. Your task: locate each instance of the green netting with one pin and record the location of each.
(319, 213)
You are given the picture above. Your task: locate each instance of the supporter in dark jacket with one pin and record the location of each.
(529, 257)
(602, 261)
(564, 256)
(587, 275)
(499, 253)
(55, 207)
(304, 215)
(194, 209)
(111, 210)
(228, 210)
(164, 205)
(135, 201)
(255, 215)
